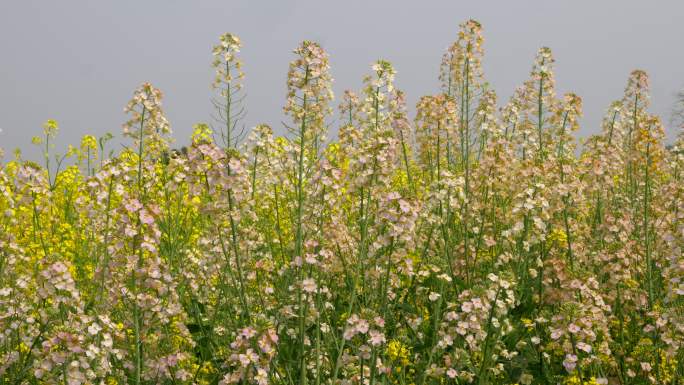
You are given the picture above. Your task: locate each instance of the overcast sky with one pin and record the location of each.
(79, 61)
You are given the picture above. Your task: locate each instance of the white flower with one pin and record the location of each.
(94, 329)
(526, 379)
(309, 285)
(261, 377)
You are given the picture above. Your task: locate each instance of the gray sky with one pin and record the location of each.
(79, 61)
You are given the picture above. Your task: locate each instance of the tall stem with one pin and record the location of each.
(299, 236)
(137, 322)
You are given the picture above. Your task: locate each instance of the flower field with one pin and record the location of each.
(472, 243)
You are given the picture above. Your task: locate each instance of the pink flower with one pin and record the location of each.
(570, 362)
(244, 359)
(362, 326)
(446, 341)
(133, 205)
(310, 259)
(273, 335)
(393, 196)
(477, 303)
(404, 206)
(584, 347)
(376, 338)
(146, 218)
(129, 231)
(248, 332)
(349, 333)
(462, 328)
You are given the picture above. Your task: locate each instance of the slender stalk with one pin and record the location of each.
(299, 235)
(137, 321)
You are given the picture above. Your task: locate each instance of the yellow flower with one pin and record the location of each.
(667, 368)
(88, 142)
(201, 133)
(397, 352)
(50, 127)
(558, 236)
(528, 323)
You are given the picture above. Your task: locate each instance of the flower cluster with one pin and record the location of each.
(467, 244)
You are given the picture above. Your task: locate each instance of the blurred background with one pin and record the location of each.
(78, 61)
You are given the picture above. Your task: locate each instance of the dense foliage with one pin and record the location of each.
(474, 244)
